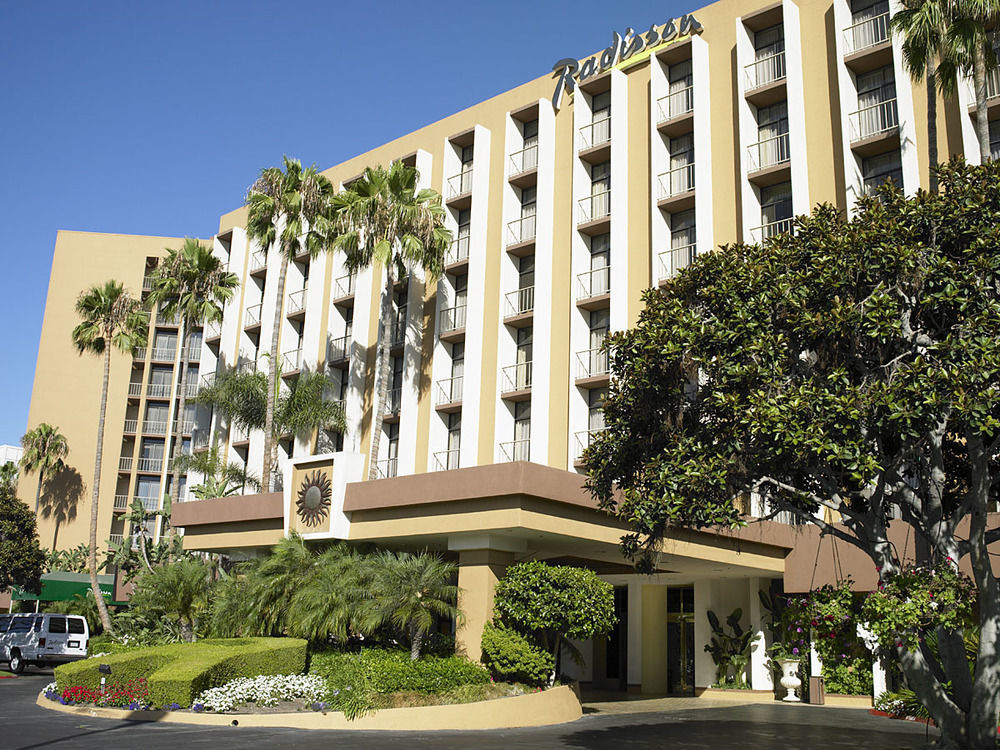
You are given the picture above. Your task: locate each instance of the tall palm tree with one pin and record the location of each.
(923, 25)
(969, 42)
(382, 218)
(44, 450)
(408, 591)
(8, 478)
(193, 285)
(287, 213)
(111, 318)
(219, 477)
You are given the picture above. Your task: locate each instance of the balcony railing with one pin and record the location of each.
(186, 427)
(252, 316)
(676, 104)
(593, 283)
(521, 230)
(115, 539)
(258, 260)
(167, 320)
(446, 460)
(125, 463)
(247, 365)
(135, 389)
(192, 390)
(239, 433)
(449, 390)
(865, 34)
(393, 401)
(520, 301)
(343, 286)
(516, 377)
(523, 160)
(207, 380)
(874, 120)
(676, 258)
(452, 318)
(121, 503)
(458, 251)
(591, 363)
(764, 71)
(154, 427)
(139, 353)
(874, 182)
(584, 439)
(766, 231)
(595, 206)
(163, 354)
(131, 426)
(194, 354)
(676, 181)
(213, 330)
(339, 349)
(291, 361)
(515, 450)
(296, 302)
(386, 468)
(147, 283)
(460, 184)
(596, 133)
(399, 326)
(769, 152)
(149, 465)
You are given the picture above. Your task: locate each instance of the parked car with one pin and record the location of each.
(42, 640)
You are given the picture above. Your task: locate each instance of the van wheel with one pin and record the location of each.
(16, 662)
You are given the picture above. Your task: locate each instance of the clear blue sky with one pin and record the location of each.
(153, 118)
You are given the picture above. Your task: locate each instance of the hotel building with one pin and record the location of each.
(567, 197)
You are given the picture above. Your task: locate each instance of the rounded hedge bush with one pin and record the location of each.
(513, 657)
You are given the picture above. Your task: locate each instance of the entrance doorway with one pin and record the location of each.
(680, 641)
(611, 652)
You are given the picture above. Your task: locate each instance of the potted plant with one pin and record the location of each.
(788, 657)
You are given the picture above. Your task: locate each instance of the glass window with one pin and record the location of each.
(876, 86)
(526, 272)
(4, 623)
(466, 157)
(165, 340)
(601, 106)
(152, 448)
(57, 624)
(458, 359)
(600, 178)
(769, 41)
(76, 625)
(530, 130)
(776, 203)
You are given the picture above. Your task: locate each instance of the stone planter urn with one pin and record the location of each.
(790, 679)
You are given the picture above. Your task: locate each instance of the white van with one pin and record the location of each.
(42, 640)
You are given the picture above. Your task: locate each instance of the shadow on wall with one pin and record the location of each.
(61, 494)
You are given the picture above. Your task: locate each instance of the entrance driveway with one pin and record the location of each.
(681, 724)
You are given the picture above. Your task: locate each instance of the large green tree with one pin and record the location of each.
(192, 284)
(110, 319)
(44, 450)
(178, 591)
(852, 366)
(288, 213)
(22, 561)
(382, 219)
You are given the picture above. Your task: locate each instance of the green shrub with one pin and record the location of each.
(511, 656)
(177, 672)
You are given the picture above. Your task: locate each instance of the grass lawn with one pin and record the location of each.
(6, 674)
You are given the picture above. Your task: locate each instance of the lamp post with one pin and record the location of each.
(105, 670)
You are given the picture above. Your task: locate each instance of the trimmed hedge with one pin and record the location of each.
(513, 657)
(388, 671)
(178, 672)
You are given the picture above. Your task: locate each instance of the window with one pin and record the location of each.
(682, 232)
(681, 174)
(57, 624)
(466, 156)
(595, 409)
(4, 623)
(454, 439)
(165, 342)
(772, 133)
(775, 209)
(877, 169)
(527, 223)
(530, 131)
(600, 178)
(995, 139)
(458, 359)
(769, 65)
(76, 626)
(600, 265)
(679, 87)
(156, 418)
(524, 354)
(464, 222)
(21, 625)
(599, 323)
(601, 106)
(768, 42)
(522, 430)
(862, 10)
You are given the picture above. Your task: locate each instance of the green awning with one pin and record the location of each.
(60, 586)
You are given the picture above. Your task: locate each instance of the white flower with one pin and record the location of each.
(264, 690)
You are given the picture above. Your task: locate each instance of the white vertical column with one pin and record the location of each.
(619, 201)
(659, 160)
(704, 228)
(795, 87)
(704, 667)
(354, 401)
(760, 672)
(748, 131)
(475, 312)
(879, 682)
(635, 632)
(312, 353)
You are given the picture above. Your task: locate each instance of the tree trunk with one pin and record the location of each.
(982, 123)
(382, 373)
(930, 77)
(175, 479)
(270, 444)
(556, 649)
(38, 492)
(102, 607)
(416, 642)
(187, 632)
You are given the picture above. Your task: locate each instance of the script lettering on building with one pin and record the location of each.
(568, 72)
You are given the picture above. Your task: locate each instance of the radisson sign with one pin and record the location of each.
(569, 72)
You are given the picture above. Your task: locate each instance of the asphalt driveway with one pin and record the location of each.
(25, 726)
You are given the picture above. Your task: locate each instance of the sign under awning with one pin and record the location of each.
(60, 586)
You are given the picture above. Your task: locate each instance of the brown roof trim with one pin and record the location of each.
(229, 509)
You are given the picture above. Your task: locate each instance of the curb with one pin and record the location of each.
(556, 706)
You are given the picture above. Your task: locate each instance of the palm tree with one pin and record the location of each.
(382, 218)
(294, 202)
(275, 581)
(923, 26)
(192, 284)
(179, 591)
(44, 450)
(111, 318)
(219, 479)
(8, 477)
(327, 601)
(969, 42)
(409, 591)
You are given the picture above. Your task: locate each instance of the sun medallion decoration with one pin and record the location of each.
(314, 498)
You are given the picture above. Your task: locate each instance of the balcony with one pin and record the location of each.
(525, 160)
(213, 330)
(191, 392)
(187, 427)
(139, 353)
(393, 401)
(147, 283)
(165, 320)
(131, 426)
(154, 427)
(459, 187)
(595, 208)
(458, 252)
(675, 188)
(296, 305)
(593, 287)
(595, 134)
(194, 354)
(768, 160)
(343, 286)
(521, 231)
(134, 390)
(675, 112)
(399, 327)
(387, 468)
(244, 366)
(125, 463)
(252, 317)
(763, 81)
(115, 540)
(873, 124)
(239, 434)
(149, 465)
(200, 439)
(446, 460)
(592, 364)
(121, 503)
(448, 393)
(162, 354)
(516, 379)
(258, 262)
(585, 438)
(867, 45)
(515, 450)
(207, 380)
(452, 323)
(520, 302)
(291, 362)
(339, 349)
(767, 231)
(676, 258)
